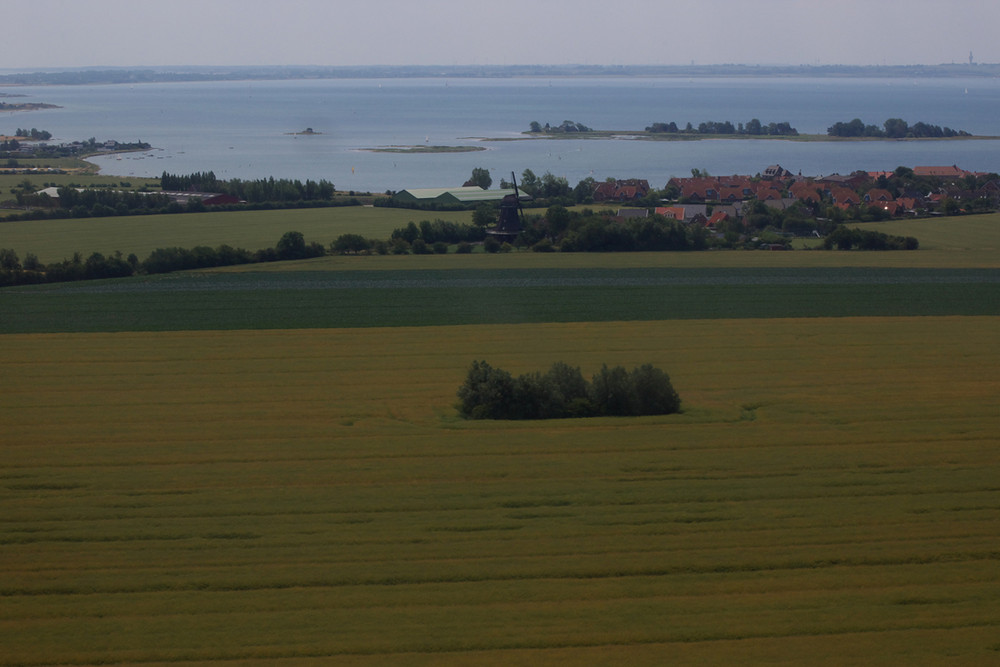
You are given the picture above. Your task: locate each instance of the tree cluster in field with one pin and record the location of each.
(754, 128)
(604, 233)
(562, 392)
(439, 231)
(893, 128)
(252, 191)
(843, 238)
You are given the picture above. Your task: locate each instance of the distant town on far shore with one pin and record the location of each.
(104, 75)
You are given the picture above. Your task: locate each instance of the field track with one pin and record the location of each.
(294, 497)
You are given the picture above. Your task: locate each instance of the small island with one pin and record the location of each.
(425, 149)
(26, 106)
(306, 132)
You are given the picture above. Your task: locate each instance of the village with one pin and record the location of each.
(784, 204)
(35, 147)
(710, 200)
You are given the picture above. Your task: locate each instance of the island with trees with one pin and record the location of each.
(856, 129)
(26, 106)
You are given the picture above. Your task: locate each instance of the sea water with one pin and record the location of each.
(249, 129)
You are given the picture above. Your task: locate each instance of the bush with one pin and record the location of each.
(843, 238)
(562, 392)
(350, 244)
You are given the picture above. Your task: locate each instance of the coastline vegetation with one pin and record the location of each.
(855, 130)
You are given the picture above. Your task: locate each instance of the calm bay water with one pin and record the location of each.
(245, 129)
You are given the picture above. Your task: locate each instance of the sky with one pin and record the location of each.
(135, 33)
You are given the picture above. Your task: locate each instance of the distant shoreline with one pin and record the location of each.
(641, 135)
(136, 75)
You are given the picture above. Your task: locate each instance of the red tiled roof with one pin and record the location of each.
(949, 172)
(878, 194)
(675, 212)
(717, 217)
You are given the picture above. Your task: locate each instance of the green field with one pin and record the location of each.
(380, 298)
(978, 237)
(264, 465)
(55, 240)
(979, 232)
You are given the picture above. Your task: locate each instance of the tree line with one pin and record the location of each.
(563, 392)
(13, 271)
(34, 134)
(893, 128)
(75, 202)
(567, 126)
(252, 191)
(752, 128)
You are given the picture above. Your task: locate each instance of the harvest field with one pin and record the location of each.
(828, 495)
(265, 465)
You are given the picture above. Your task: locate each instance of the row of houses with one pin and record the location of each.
(776, 187)
(621, 190)
(779, 188)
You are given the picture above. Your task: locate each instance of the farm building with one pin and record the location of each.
(464, 195)
(183, 198)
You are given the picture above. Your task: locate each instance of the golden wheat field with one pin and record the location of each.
(830, 495)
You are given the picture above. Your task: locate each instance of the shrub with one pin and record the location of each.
(486, 393)
(350, 244)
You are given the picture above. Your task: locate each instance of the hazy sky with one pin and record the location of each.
(70, 33)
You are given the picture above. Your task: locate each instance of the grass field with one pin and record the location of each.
(979, 232)
(829, 495)
(978, 237)
(323, 299)
(55, 240)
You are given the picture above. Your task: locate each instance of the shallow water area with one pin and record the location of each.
(249, 129)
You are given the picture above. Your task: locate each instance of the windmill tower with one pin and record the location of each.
(511, 219)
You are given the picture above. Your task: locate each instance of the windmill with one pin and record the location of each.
(511, 219)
